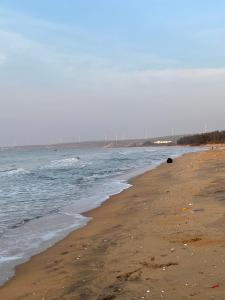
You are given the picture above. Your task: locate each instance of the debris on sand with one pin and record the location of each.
(215, 286)
(169, 160)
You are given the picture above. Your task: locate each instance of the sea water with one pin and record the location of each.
(44, 191)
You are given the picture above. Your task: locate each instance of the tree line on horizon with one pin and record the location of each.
(215, 137)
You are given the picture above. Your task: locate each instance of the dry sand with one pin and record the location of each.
(164, 238)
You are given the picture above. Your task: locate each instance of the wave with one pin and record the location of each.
(14, 171)
(62, 163)
(27, 220)
(24, 221)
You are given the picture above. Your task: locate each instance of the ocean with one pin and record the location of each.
(44, 191)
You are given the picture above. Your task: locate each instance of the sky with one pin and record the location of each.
(89, 70)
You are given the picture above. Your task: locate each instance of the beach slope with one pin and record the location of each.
(162, 238)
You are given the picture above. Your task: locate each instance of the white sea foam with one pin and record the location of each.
(62, 163)
(9, 172)
(35, 236)
(9, 258)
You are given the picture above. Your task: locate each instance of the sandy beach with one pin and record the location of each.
(163, 238)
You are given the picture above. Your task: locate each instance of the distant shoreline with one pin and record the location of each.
(97, 143)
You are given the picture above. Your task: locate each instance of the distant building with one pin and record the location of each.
(162, 142)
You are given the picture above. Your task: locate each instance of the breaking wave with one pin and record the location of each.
(15, 171)
(62, 163)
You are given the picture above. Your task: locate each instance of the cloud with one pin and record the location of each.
(208, 34)
(67, 53)
(46, 47)
(85, 68)
(31, 59)
(169, 76)
(3, 58)
(14, 42)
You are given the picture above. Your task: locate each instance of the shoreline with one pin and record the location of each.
(124, 179)
(85, 251)
(128, 178)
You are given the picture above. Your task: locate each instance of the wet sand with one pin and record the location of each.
(164, 238)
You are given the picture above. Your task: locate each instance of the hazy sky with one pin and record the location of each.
(92, 68)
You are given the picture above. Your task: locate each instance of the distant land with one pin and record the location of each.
(214, 137)
(170, 140)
